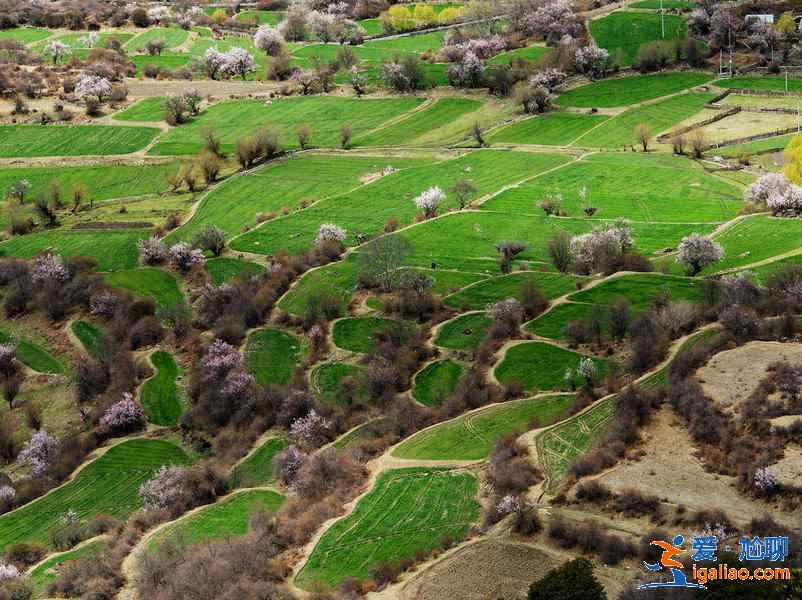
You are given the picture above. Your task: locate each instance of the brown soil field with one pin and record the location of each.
(731, 376)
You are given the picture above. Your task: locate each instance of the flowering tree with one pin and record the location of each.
(152, 251)
(57, 49)
(104, 304)
(765, 480)
(321, 24)
(163, 489)
(587, 370)
(238, 384)
(508, 504)
(590, 251)
(507, 316)
(238, 62)
(7, 493)
(90, 39)
(329, 232)
(312, 430)
(8, 572)
(359, 81)
(219, 359)
(768, 186)
(269, 39)
(787, 202)
(550, 79)
(552, 21)
(49, 269)
(183, 257)
(93, 86)
(467, 73)
(124, 415)
(158, 14)
(393, 74)
(39, 451)
(18, 189)
(212, 62)
(8, 359)
(699, 21)
(429, 200)
(286, 464)
(592, 59)
(696, 252)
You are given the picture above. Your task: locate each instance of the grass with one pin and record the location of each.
(166, 60)
(337, 280)
(108, 485)
(367, 209)
(763, 272)
(419, 123)
(262, 17)
(326, 379)
(148, 282)
(540, 366)
(773, 144)
(619, 131)
(666, 4)
(623, 91)
(775, 83)
(172, 36)
(436, 382)
(551, 129)
(227, 518)
(560, 445)
(448, 282)
(257, 468)
(529, 53)
(89, 335)
(629, 30)
(26, 35)
(160, 398)
(489, 291)
(32, 355)
(100, 182)
(235, 204)
(222, 270)
(325, 114)
(271, 355)
(357, 334)
(464, 333)
(640, 290)
(406, 513)
(756, 238)
(47, 572)
(472, 436)
(147, 109)
(22, 141)
(552, 324)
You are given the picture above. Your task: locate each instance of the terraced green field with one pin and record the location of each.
(623, 91)
(108, 485)
(560, 445)
(160, 397)
(262, 17)
(529, 53)
(552, 324)
(20, 141)
(148, 282)
(772, 144)
(479, 295)
(355, 334)
(257, 468)
(171, 36)
(472, 436)
(419, 123)
(32, 355)
(89, 335)
(222, 270)
(629, 30)
(326, 379)
(775, 83)
(665, 4)
(147, 109)
(227, 518)
(550, 129)
(165, 60)
(640, 289)
(658, 187)
(26, 35)
(407, 512)
(271, 355)
(336, 280)
(540, 366)
(235, 204)
(325, 114)
(100, 182)
(464, 333)
(47, 571)
(776, 236)
(448, 282)
(618, 131)
(436, 382)
(368, 208)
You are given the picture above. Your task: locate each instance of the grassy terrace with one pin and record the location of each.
(17, 141)
(471, 436)
(550, 129)
(160, 397)
(108, 485)
(463, 333)
(272, 354)
(257, 468)
(148, 282)
(540, 366)
(407, 512)
(479, 295)
(623, 91)
(629, 30)
(356, 334)
(436, 382)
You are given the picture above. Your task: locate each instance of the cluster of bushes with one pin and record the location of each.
(591, 537)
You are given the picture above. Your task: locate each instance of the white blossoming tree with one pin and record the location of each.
(56, 50)
(429, 201)
(697, 252)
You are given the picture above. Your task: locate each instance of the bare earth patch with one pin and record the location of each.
(731, 376)
(668, 469)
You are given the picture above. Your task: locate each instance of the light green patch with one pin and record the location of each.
(271, 355)
(436, 382)
(541, 366)
(160, 397)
